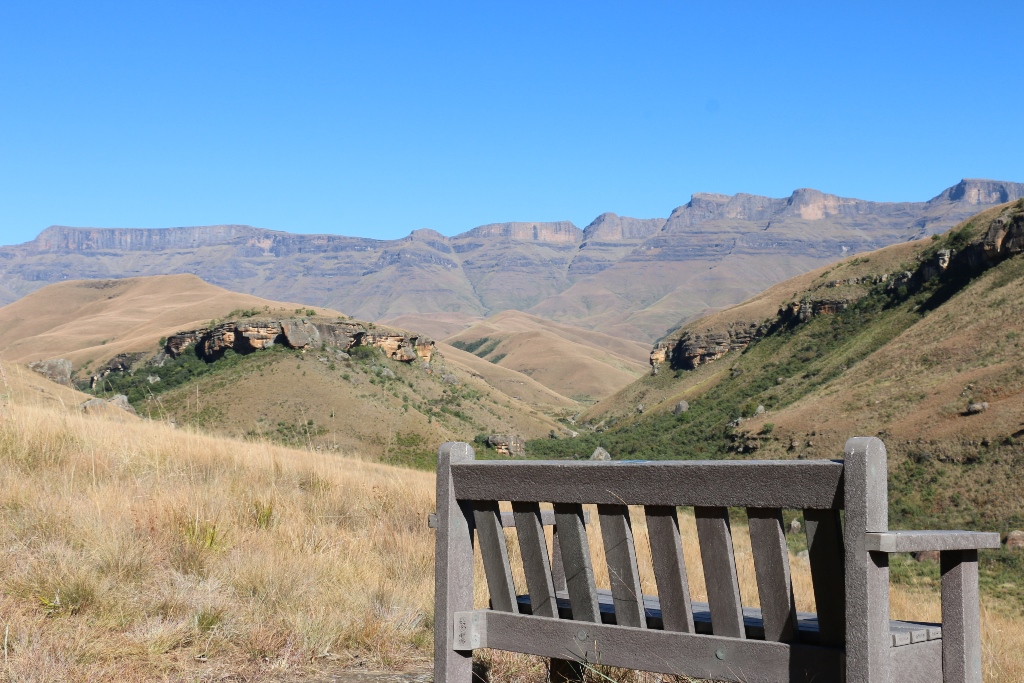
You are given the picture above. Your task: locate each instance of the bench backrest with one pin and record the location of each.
(470, 491)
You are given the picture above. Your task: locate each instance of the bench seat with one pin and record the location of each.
(902, 632)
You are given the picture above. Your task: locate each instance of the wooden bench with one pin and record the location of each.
(850, 638)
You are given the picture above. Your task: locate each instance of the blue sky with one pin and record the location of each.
(375, 119)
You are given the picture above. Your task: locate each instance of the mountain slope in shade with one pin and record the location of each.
(580, 364)
(629, 277)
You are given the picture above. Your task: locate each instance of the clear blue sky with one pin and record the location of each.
(377, 118)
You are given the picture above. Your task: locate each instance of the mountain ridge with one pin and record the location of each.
(624, 276)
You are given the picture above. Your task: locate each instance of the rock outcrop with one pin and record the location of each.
(691, 349)
(122, 362)
(56, 370)
(119, 401)
(257, 335)
(1002, 239)
(509, 445)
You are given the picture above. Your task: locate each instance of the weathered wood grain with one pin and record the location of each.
(698, 656)
(867, 573)
(534, 550)
(916, 541)
(620, 554)
(788, 484)
(720, 577)
(494, 551)
(826, 555)
(961, 623)
(669, 568)
(453, 571)
(579, 571)
(557, 570)
(771, 567)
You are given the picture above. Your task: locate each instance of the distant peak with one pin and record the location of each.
(611, 227)
(427, 235)
(973, 191)
(715, 197)
(558, 231)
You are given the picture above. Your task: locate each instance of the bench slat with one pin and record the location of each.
(825, 552)
(557, 570)
(534, 549)
(494, 551)
(807, 623)
(720, 578)
(669, 568)
(786, 484)
(771, 566)
(620, 553)
(698, 656)
(579, 572)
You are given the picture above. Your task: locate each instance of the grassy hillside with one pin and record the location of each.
(368, 404)
(580, 364)
(90, 321)
(900, 362)
(142, 552)
(365, 404)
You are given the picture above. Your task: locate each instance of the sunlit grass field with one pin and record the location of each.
(135, 550)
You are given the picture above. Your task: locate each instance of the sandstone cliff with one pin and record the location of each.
(629, 277)
(247, 336)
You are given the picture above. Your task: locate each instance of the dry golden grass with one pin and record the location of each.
(573, 361)
(128, 548)
(136, 550)
(92, 320)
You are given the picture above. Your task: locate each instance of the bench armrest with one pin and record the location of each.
(916, 541)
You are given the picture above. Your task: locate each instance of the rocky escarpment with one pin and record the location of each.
(692, 349)
(979, 250)
(246, 336)
(625, 276)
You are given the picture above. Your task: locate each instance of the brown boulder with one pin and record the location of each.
(300, 334)
(1015, 540)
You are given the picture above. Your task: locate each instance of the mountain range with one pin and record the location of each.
(628, 277)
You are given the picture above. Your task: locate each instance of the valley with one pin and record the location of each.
(919, 345)
(192, 354)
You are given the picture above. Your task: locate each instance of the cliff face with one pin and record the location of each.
(62, 239)
(260, 335)
(625, 276)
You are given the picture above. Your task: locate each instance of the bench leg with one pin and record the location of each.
(961, 617)
(453, 572)
(565, 671)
